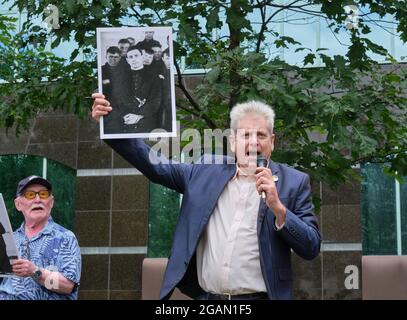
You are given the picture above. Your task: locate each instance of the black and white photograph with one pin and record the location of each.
(135, 73)
(8, 248)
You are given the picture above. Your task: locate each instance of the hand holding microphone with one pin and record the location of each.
(265, 180)
(262, 163)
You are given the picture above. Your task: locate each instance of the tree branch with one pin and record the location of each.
(265, 22)
(189, 110)
(262, 28)
(136, 13)
(235, 39)
(198, 111)
(372, 157)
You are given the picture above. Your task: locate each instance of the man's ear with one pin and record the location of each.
(273, 139)
(17, 204)
(52, 201)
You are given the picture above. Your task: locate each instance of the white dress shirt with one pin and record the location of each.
(228, 258)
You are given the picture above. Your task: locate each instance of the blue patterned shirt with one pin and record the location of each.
(54, 248)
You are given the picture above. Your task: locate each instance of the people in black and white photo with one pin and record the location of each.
(147, 90)
(137, 83)
(132, 41)
(116, 86)
(166, 92)
(148, 41)
(123, 45)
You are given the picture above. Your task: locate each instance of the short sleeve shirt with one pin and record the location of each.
(54, 248)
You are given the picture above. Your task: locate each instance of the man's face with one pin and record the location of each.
(123, 48)
(147, 58)
(134, 59)
(157, 53)
(252, 138)
(167, 61)
(113, 59)
(149, 35)
(37, 209)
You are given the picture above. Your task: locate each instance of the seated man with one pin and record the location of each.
(49, 267)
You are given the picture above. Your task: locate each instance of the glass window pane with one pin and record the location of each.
(336, 43)
(302, 28)
(378, 211)
(63, 181)
(400, 49)
(5, 6)
(65, 49)
(403, 198)
(162, 217)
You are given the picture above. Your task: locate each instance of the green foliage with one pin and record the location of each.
(34, 80)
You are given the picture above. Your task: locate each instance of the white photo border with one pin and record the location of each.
(126, 32)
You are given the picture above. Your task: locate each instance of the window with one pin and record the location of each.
(384, 212)
(162, 217)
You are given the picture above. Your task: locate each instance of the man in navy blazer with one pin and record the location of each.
(238, 223)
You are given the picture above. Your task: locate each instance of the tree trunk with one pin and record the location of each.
(235, 38)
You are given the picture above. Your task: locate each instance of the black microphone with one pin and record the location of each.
(262, 162)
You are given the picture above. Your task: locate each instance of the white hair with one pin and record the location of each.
(257, 107)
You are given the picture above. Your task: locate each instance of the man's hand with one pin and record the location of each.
(101, 106)
(132, 118)
(23, 268)
(52, 280)
(265, 182)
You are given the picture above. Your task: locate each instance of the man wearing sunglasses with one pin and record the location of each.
(49, 265)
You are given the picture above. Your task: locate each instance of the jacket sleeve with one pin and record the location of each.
(154, 166)
(301, 230)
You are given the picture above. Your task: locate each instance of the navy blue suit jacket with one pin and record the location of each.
(201, 186)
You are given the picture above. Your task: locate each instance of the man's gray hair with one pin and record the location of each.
(257, 107)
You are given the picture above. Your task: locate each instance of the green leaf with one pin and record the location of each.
(213, 75)
(282, 42)
(309, 59)
(365, 29)
(213, 19)
(302, 49)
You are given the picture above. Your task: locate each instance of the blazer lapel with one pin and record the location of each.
(220, 178)
(276, 172)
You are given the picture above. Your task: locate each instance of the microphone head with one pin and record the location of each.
(261, 161)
